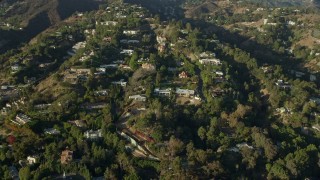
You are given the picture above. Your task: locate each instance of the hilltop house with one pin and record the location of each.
(212, 61)
(217, 92)
(51, 131)
(76, 47)
(282, 84)
(32, 159)
(130, 32)
(138, 97)
(41, 106)
(185, 92)
(143, 60)
(21, 119)
(100, 71)
(219, 73)
(103, 92)
(107, 23)
(78, 123)
(284, 110)
(162, 92)
(15, 67)
(266, 68)
(78, 71)
(205, 55)
(93, 135)
(8, 92)
(183, 75)
(121, 82)
(124, 67)
(127, 52)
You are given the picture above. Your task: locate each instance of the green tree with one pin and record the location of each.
(24, 173)
(202, 133)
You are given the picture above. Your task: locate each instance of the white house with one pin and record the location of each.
(127, 51)
(292, 23)
(21, 119)
(15, 67)
(212, 61)
(138, 97)
(52, 131)
(121, 82)
(204, 55)
(185, 92)
(107, 23)
(32, 159)
(282, 84)
(219, 73)
(130, 32)
(93, 135)
(103, 92)
(162, 92)
(76, 47)
(109, 66)
(101, 69)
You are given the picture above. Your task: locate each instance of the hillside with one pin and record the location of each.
(56, 10)
(208, 7)
(159, 89)
(26, 19)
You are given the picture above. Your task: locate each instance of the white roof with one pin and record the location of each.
(184, 91)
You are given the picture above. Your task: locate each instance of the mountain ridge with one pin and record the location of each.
(281, 3)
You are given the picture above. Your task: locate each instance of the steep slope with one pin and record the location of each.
(208, 7)
(34, 16)
(56, 10)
